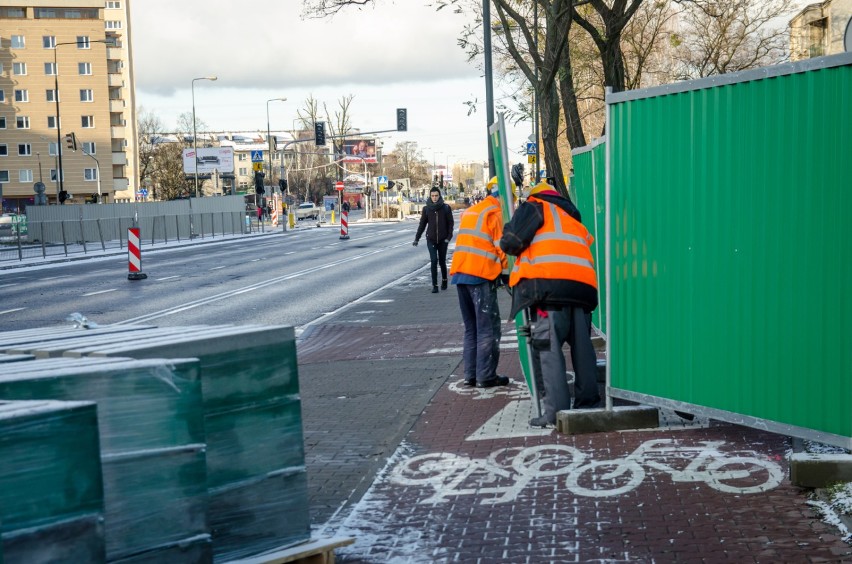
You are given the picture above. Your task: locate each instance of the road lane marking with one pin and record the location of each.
(7, 285)
(218, 267)
(55, 277)
(100, 292)
(12, 310)
(166, 278)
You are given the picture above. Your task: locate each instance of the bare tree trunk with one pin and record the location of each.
(573, 123)
(549, 109)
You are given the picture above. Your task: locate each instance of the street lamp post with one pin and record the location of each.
(194, 133)
(56, 46)
(269, 138)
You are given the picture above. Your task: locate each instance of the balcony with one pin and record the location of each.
(119, 158)
(119, 184)
(115, 80)
(116, 106)
(114, 53)
(117, 131)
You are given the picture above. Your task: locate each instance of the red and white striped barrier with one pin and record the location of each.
(134, 255)
(344, 225)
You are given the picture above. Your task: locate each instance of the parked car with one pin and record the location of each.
(307, 210)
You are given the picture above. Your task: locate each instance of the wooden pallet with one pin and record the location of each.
(314, 551)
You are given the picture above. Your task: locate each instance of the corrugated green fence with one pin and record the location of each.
(730, 247)
(587, 189)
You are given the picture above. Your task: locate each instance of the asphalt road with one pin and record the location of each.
(287, 278)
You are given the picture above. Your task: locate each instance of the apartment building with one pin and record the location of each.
(65, 67)
(824, 28)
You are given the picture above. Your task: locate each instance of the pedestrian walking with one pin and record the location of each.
(555, 278)
(437, 220)
(478, 265)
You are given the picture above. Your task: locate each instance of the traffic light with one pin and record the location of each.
(282, 183)
(319, 133)
(391, 184)
(401, 119)
(441, 181)
(63, 195)
(258, 182)
(71, 141)
(518, 174)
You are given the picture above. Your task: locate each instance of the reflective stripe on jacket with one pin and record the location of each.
(477, 252)
(560, 250)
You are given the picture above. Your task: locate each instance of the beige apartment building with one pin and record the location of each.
(66, 67)
(824, 28)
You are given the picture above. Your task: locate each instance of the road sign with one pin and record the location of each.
(143, 192)
(257, 166)
(257, 156)
(531, 149)
(338, 186)
(382, 180)
(531, 159)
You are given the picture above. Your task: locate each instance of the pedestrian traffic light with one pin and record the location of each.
(391, 184)
(401, 119)
(71, 141)
(258, 182)
(282, 183)
(63, 195)
(319, 133)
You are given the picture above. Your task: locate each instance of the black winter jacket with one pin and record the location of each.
(541, 292)
(437, 220)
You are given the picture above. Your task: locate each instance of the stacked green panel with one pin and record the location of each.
(51, 493)
(253, 424)
(588, 191)
(732, 232)
(151, 436)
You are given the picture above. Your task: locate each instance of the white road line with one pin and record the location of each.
(101, 292)
(218, 267)
(12, 310)
(167, 278)
(7, 285)
(55, 277)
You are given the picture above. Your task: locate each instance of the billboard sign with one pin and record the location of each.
(208, 160)
(358, 151)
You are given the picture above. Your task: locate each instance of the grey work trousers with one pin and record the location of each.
(571, 325)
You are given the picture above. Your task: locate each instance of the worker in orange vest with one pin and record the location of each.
(478, 264)
(554, 276)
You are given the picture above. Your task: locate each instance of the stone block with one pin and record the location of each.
(581, 421)
(810, 470)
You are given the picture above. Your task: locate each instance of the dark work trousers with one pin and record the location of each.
(481, 316)
(438, 254)
(571, 325)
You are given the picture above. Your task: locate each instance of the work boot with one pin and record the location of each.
(497, 381)
(542, 421)
(444, 284)
(434, 289)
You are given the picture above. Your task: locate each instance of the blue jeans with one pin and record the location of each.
(438, 255)
(481, 316)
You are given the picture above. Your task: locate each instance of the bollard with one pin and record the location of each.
(344, 225)
(332, 216)
(134, 255)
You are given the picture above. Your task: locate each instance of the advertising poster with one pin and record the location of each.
(209, 160)
(358, 151)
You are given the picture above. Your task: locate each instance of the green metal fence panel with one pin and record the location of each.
(587, 190)
(731, 226)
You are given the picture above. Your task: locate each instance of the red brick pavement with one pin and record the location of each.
(455, 506)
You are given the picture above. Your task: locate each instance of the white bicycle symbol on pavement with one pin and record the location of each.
(506, 472)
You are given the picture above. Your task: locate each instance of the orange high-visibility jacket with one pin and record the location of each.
(477, 251)
(560, 250)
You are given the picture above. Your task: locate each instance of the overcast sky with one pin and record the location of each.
(400, 54)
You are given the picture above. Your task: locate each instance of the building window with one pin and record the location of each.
(25, 150)
(89, 147)
(50, 69)
(22, 96)
(45, 13)
(74, 15)
(86, 95)
(2, 95)
(19, 69)
(18, 42)
(87, 121)
(22, 122)
(25, 175)
(51, 149)
(4, 150)
(84, 68)
(4, 176)
(113, 24)
(241, 157)
(1, 68)
(90, 174)
(53, 175)
(48, 41)
(50, 95)
(243, 171)
(2, 122)
(83, 42)
(51, 122)
(114, 5)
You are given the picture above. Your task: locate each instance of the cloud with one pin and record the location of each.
(265, 44)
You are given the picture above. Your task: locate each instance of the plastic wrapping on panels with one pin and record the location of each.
(51, 496)
(153, 451)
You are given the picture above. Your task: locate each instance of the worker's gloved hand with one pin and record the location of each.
(415, 243)
(447, 241)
